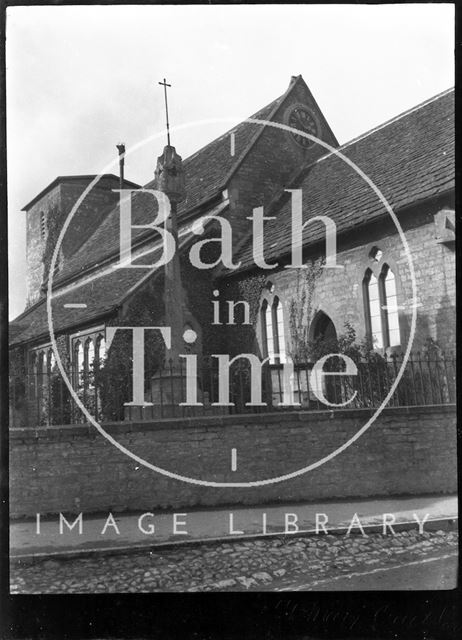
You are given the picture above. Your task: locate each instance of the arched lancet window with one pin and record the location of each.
(87, 348)
(89, 354)
(267, 331)
(88, 351)
(79, 359)
(381, 307)
(100, 350)
(41, 380)
(373, 310)
(280, 341)
(89, 358)
(391, 304)
(51, 361)
(33, 373)
(272, 330)
(41, 364)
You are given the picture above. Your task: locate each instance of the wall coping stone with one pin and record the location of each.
(63, 432)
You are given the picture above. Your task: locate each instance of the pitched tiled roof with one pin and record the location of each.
(14, 329)
(207, 169)
(101, 296)
(103, 292)
(409, 159)
(206, 172)
(82, 178)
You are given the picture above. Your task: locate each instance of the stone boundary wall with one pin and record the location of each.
(73, 469)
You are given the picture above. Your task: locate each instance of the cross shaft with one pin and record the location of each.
(165, 85)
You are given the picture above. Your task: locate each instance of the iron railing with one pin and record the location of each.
(44, 398)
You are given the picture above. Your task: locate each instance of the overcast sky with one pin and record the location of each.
(80, 79)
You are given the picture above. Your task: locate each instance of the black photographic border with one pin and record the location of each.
(398, 615)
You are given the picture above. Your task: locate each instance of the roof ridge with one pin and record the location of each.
(84, 176)
(388, 122)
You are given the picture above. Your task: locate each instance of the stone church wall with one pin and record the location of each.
(37, 240)
(274, 160)
(339, 294)
(72, 469)
(46, 217)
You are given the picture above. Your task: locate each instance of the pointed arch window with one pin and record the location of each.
(100, 350)
(33, 370)
(88, 352)
(51, 361)
(373, 310)
(391, 311)
(42, 369)
(79, 360)
(381, 308)
(272, 329)
(267, 331)
(280, 341)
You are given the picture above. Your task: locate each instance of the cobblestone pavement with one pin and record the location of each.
(265, 564)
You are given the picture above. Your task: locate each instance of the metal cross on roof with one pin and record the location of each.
(165, 85)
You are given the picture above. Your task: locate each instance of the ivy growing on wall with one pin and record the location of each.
(114, 377)
(250, 290)
(240, 338)
(301, 310)
(301, 313)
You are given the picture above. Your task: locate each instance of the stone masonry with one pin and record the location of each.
(71, 469)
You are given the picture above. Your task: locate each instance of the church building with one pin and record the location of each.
(260, 303)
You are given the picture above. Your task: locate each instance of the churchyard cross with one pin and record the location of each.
(165, 85)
